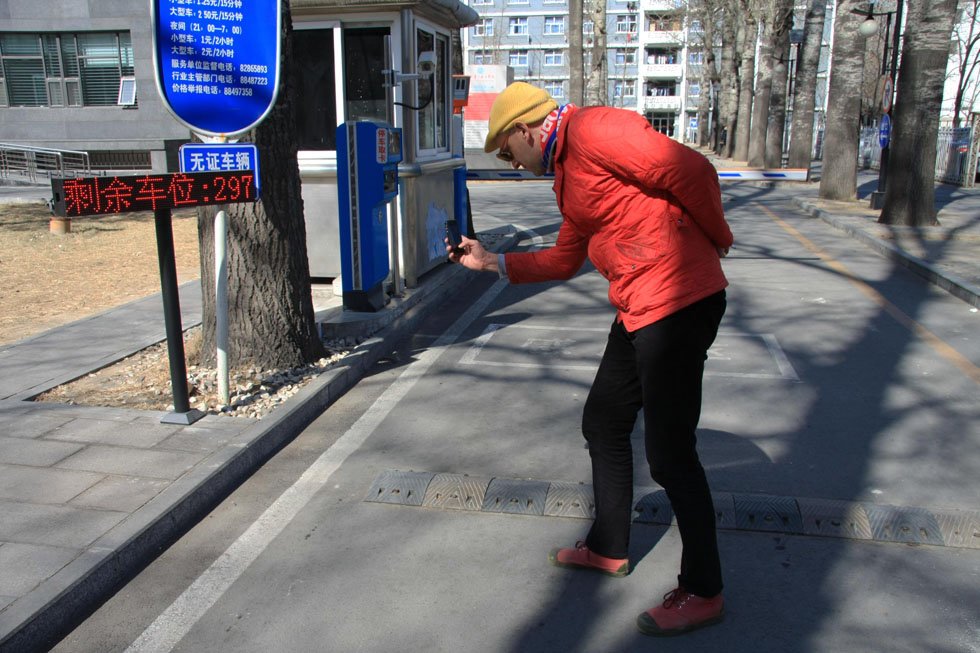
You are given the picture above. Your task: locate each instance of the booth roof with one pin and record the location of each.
(456, 13)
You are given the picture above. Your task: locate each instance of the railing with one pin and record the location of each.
(668, 70)
(954, 162)
(660, 102)
(36, 164)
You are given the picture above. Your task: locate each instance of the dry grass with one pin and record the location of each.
(47, 280)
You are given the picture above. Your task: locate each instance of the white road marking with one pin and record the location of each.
(177, 620)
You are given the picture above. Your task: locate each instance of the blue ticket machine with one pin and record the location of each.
(368, 154)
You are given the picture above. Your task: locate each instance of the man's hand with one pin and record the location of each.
(474, 256)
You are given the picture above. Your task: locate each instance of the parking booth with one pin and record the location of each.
(389, 64)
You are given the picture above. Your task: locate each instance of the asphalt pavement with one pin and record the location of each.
(89, 495)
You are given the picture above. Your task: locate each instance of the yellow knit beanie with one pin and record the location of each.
(519, 102)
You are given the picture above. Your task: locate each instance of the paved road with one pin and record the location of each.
(838, 376)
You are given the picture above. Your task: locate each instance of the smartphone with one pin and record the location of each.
(452, 235)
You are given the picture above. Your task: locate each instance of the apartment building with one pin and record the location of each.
(653, 53)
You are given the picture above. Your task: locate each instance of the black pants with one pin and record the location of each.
(657, 368)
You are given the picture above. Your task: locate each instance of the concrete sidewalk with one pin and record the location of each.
(89, 495)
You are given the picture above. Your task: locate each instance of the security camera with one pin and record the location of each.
(427, 63)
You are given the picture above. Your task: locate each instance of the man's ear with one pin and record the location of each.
(524, 129)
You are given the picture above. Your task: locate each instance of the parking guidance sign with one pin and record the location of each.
(217, 61)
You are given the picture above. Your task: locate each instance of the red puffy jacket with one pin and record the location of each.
(644, 208)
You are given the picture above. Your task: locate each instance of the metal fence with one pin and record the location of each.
(956, 154)
(34, 164)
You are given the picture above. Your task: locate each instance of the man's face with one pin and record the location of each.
(518, 146)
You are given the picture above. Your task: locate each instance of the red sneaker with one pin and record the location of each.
(581, 558)
(681, 612)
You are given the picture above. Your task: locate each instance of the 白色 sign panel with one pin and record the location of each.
(217, 61)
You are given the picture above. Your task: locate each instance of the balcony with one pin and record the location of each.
(662, 70)
(662, 37)
(661, 5)
(662, 103)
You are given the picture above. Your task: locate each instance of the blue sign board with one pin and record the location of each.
(220, 157)
(217, 61)
(884, 130)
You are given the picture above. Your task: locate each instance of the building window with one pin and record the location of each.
(64, 70)
(518, 58)
(554, 2)
(483, 27)
(625, 24)
(481, 2)
(484, 57)
(694, 89)
(696, 57)
(625, 56)
(517, 2)
(625, 88)
(518, 27)
(661, 57)
(588, 27)
(554, 25)
(696, 26)
(554, 58)
(555, 89)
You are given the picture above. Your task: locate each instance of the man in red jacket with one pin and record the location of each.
(647, 212)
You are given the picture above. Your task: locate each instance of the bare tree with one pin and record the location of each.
(771, 15)
(776, 128)
(708, 13)
(748, 32)
(839, 178)
(271, 322)
(966, 41)
(804, 100)
(728, 82)
(597, 84)
(576, 67)
(910, 193)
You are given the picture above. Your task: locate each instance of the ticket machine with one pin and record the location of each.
(368, 154)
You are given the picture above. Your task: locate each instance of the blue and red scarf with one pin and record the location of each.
(549, 133)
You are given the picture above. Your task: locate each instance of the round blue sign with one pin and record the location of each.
(217, 62)
(884, 130)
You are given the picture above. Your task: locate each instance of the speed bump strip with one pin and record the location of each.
(760, 512)
(834, 519)
(653, 507)
(516, 496)
(456, 492)
(404, 488)
(569, 500)
(908, 525)
(754, 512)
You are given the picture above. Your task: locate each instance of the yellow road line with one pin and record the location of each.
(964, 364)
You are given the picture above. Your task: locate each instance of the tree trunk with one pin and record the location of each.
(776, 128)
(728, 85)
(748, 35)
(763, 91)
(707, 16)
(910, 191)
(270, 305)
(801, 136)
(839, 178)
(576, 64)
(597, 85)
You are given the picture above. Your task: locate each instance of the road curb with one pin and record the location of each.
(40, 619)
(951, 283)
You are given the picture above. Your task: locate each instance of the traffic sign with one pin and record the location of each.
(217, 62)
(884, 130)
(887, 90)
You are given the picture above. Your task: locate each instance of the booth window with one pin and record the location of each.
(434, 117)
(363, 79)
(313, 72)
(63, 70)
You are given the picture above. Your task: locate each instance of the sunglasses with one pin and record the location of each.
(506, 154)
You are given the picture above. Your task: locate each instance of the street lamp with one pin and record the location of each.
(868, 28)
